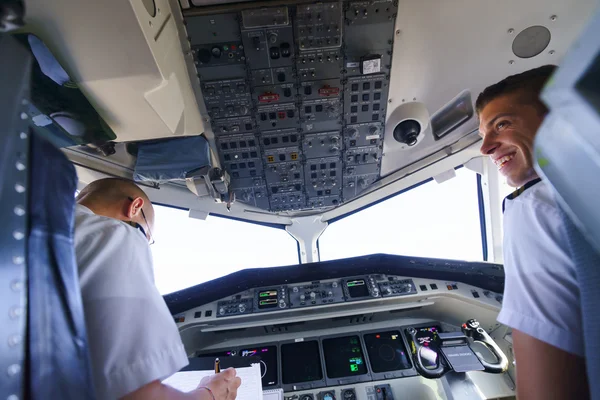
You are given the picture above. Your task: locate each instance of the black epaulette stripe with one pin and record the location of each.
(519, 191)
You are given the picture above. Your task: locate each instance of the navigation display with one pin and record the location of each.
(386, 351)
(301, 362)
(344, 357)
(268, 363)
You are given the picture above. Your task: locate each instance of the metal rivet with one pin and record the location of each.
(19, 188)
(14, 369)
(18, 235)
(20, 166)
(18, 260)
(553, 18)
(24, 116)
(150, 23)
(16, 286)
(511, 31)
(19, 211)
(15, 312)
(511, 62)
(390, 100)
(398, 32)
(551, 52)
(12, 397)
(14, 340)
(414, 99)
(23, 135)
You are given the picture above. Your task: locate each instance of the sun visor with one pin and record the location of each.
(171, 160)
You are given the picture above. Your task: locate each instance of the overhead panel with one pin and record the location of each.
(297, 97)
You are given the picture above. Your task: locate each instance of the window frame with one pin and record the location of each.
(480, 201)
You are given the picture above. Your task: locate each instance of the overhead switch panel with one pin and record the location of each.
(296, 96)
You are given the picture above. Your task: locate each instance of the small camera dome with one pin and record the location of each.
(407, 132)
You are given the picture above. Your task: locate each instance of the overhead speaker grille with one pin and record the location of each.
(531, 41)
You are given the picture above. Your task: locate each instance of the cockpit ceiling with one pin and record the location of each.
(301, 101)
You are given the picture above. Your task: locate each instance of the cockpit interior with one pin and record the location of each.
(294, 115)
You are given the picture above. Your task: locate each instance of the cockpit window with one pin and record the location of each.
(190, 251)
(431, 220)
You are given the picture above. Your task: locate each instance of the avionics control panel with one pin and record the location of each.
(296, 96)
(313, 294)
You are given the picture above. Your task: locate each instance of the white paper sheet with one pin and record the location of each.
(273, 394)
(251, 388)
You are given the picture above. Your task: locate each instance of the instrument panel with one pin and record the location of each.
(307, 84)
(328, 361)
(315, 294)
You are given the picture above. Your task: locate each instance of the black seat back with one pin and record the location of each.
(47, 356)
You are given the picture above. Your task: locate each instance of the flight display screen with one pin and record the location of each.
(223, 353)
(268, 362)
(301, 362)
(357, 288)
(386, 351)
(429, 339)
(267, 299)
(344, 357)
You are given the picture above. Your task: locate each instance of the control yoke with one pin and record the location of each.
(452, 352)
(472, 329)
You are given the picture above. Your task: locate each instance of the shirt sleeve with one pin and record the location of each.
(132, 337)
(541, 296)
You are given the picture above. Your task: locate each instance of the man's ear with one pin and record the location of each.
(135, 208)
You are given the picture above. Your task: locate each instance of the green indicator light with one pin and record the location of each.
(354, 368)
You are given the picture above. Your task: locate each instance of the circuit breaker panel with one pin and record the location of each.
(297, 97)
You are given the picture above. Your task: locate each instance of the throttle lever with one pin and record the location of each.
(417, 350)
(473, 330)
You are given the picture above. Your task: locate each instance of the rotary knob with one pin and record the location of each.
(222, 311)
(373, 129)
(242, 308)
(282, 304)
(302, 297)
(334, 285)
(295, 289)
(313, 295)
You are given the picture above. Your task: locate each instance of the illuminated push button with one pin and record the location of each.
(334, 285)
(313, 295)
(302, 297)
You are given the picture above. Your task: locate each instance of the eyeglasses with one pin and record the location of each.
(138, 226)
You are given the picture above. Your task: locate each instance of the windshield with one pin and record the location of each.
(189, 251)
(431, 220)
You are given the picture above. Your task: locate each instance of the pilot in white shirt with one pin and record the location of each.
(133, 340)
(541, 296)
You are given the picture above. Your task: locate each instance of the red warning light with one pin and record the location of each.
(377, 336)
(233, 47)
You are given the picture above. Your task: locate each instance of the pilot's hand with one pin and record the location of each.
(223, 385)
